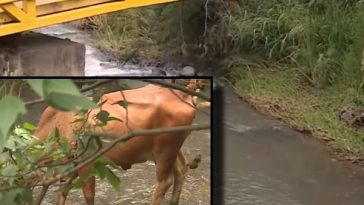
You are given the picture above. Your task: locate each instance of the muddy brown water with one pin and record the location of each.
(137, 183)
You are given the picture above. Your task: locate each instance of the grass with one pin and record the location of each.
(153, 32)
(127, 35)
(302, 106)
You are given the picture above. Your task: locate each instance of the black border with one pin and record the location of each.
(216, 119)
(217, 146)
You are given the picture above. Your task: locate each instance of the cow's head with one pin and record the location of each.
(197, 86)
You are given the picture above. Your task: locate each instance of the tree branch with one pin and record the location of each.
(177, 87)
(162, 83)
(37, 101)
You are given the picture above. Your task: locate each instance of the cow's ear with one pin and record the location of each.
(191, 84)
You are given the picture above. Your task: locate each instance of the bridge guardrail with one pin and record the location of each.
(23, 15)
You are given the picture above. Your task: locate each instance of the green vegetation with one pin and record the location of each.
(307, 53)
(280, 94)
(153, 32)
(50, 156)
(21, 157)
(307, 62)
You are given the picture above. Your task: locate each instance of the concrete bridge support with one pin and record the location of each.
(35, 54)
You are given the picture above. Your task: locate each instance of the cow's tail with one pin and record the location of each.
(193, 164)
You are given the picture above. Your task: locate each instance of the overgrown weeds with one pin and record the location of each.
(312, 47)
(321, 46)
(305, 108)
(322, 38)
(152, 32)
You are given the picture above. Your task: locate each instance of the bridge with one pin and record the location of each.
(24, 15)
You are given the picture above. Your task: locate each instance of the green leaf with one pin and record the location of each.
(37, 86)
(11, 108)
(37, 154)
(26, 195)
(18, 141)
(64, 86)
(10, 144)
(4, 157)
(96, 97)
(147, 192)
(8, 197)
(66, 167)
(29, 126)
(103, 116)
(81, 180)
(112, 178)
(58, 154)
(98, 168)
(123, 104)
(19, 195)
(64, 146)
(9, 171)
(63, 95)
(103, 171)
(51, 140)
(66, 102)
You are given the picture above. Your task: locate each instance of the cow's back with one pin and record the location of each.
(149, 107)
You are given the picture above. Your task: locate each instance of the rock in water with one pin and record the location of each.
(188, 71)
(158, 72)
(108, 64)
(353, 116)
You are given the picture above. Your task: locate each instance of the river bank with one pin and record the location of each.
(314, 112)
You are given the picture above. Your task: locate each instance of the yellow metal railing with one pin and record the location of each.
(23, 15)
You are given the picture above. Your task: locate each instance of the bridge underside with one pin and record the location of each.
(24, 15)
(36, 54)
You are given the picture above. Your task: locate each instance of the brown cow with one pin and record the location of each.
(149, 107)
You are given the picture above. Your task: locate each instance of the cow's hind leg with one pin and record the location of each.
(88, 188)
(89, 191)
(179, 171)
(164, 180)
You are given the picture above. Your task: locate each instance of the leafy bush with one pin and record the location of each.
(20, 154)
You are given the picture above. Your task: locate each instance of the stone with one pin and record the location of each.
(109, 65)
(158, 72)
(35, 54)
(130, 66)
(188, 71)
